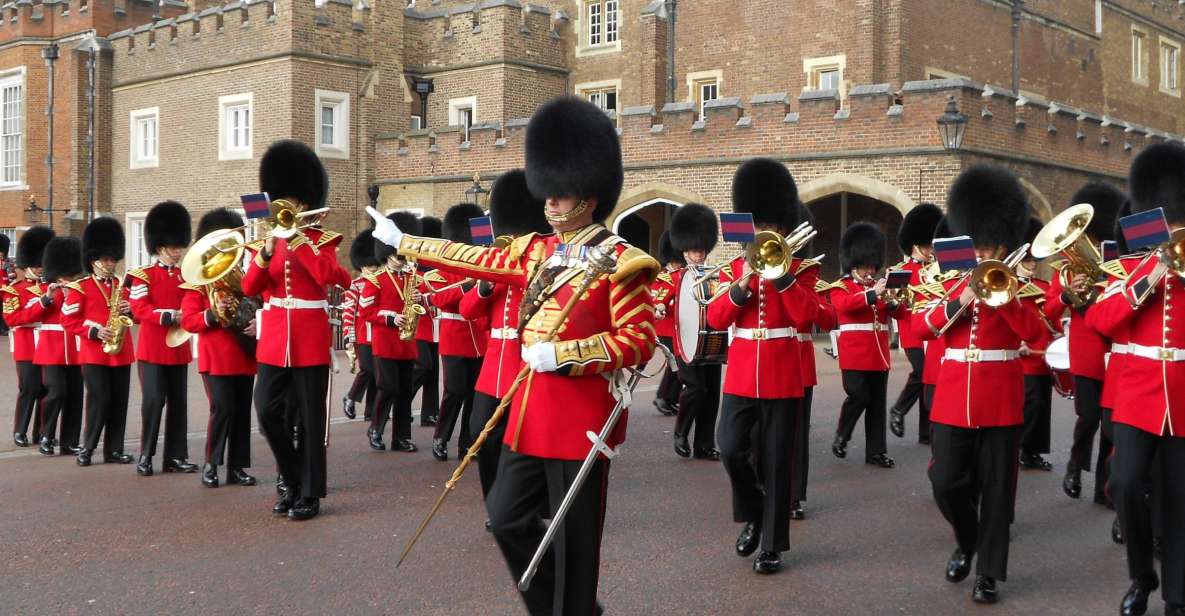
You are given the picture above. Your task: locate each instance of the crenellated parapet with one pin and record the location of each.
(480, 31)
(54, 18)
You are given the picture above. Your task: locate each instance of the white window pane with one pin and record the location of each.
(594, 23)
(11, 157)
(610, 21)
(327, 124)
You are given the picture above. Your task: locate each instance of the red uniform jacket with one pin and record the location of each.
(863, 326)
(979, 394)
(764, 367)
(55, 346)
(294, 329)
(1032, 294)
(84, 311)
(156, 304)
(219, 350)
(428, 329)
(381, 301)
(503, 356)
(610, 328)
(825, 319)
(906, 337)
(459, 337)
(1117, 359)
(1087, 346)
(354, 328)
(663, 291)
(1153, 376)
(22, 318)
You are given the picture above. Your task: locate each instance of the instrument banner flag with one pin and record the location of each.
(898, 279)
(257, 205)
(1110, 250)
(482, 230)
(737, 227)
(1145, 229)
(955, 253)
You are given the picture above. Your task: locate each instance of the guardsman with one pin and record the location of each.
(156, 293)
(694, 230)
(978, 409)
(426, 376)
(763, 386)
(1088, 349)
(295, 340)
(22, 317)
(7, 274)
(381, 305)
(1148, 432)
(96, 309)
(57, 349)
(933, 347)
(664, 292)
(573, 160)
(1034, 438)
(863, 309)
(226, 361)
(357, 331)
(514, 212)
(915, 239)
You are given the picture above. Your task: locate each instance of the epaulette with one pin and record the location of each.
(805, 265)
(1115, 269)
(74, 286)
(140, 274)
(255, 246)
(633, 260)
(9, 289)
(373, 277)
(434, 276)
(34, 290)
(328, 237)
(822, 285)
(1030, 290)
(665, 277)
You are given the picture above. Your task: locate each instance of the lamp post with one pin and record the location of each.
(423, 87)
(477, 193)
(50, 54)
(952, 125)
(33, 210)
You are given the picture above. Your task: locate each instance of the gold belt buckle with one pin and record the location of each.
(760, 333)
(1166, 354)
(971, 355)
(876, 326)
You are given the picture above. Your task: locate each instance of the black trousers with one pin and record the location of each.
(699, 403)
(866, 390)
(164, 386)
(912, 390)
(973, 473)
(301, 465)
(670, 386)
(230, 419)
(766, 428)
(1134, 461)
(427, 376)
(365, 386)
(394, 395)
(29, 393)
(529, 489)
(484, 406)
(1087, 392)
(63, 398)
(1038, 404)
(106, 406)
(802, 447)
(460, 377)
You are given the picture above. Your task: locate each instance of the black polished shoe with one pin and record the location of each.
(1072, 483)
(749, 538)
(682, 448)
(285, 502)
(76, 449)
(21, 440)
(348, 407)
(210, 475)
(1135, 601)
(84, 458)
(796, 511)
(179, 466)
(882, 460)
(839, 446)
(768, 562)
(706, 454)
(144, 467)
(958, 567)
(664, 407)
(439, 449)
(46, 447)
(238, 476)
(1034, 461)
(118, 457)
(376, 440)
(404, 445)
(985, 590)
(305, 509)
(897, 423)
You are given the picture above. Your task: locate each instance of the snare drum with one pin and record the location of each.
(695, 342)
(1057, 357)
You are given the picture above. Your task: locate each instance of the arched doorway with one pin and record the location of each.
(841, 199)
(643, 224)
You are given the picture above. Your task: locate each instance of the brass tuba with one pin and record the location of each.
(1065, 235)
(213, 265)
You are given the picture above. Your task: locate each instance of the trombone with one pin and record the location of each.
(768, 256)
(994, 282)
(1065, 235)
(284, 221)
(1172, 254)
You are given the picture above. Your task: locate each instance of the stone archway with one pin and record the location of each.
(643, 212)
(855, 184)
(838, 200)
(643, 195)
(1038, 204)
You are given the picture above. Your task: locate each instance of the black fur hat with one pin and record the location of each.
(764, 188)
(456, 222)
(31, 247)
(216, 219)
(862, 244)
(167, 224)
(1107, 200)
(942, 229)
(917, 228)
(5, 244)
(291, 170)
(407, 222)
(1032, 229)
(431, 226)
(987, 203)
(103, 237)
(1157, 179)
(383, 251)
(572, 150)
(666, 251)
(694, 227)
(362, 251)
(513, 209)
(62, 258)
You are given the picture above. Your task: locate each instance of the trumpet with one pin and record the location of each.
(1172, 254)
(284, 221)
(994, 282)
(1065, 235)
(768, 256)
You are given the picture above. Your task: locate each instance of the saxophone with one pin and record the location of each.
(117, 322)
(412, 311)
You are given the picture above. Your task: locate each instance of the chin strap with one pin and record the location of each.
(562, 218)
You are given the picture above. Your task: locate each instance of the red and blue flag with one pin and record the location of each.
(737, 227)
(1145, 229)
(955, 253)
(482, 230)
(257, 205)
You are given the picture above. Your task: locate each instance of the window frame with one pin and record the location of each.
(340, 102)
(9, 78)
(583, 24)
(700, 99)
(134, 247)
(458, 105)
(135, 160)
(1139, 55)
(225, 104)
(1173, 89)
(813, 68)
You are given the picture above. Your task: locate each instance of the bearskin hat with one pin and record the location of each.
(5, 244)
(1106, 200)
(103, 237)
(1157, 179)
(62, 258)
(291, 170)
(362, 251)
(862, 244)
(456, 222)
(987, 203)
(764, 188)
(167, 224)
(382, 251)
(694, 227)
(513, 209)
(1032, 229)
(31, 247)
(666, 250)
(216, 219)
(942, 229)
(917, 228)
(431, 226)
(572, 150)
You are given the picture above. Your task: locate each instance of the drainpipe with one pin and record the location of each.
(50, 53)
(669, 5)
(1017, 13)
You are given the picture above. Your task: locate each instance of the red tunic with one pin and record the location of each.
(353, 328)
(503, 356)
(55, 346)
(1087, 346)
(459, 337)
(428, 329)
(155, 296)
(825, 319)
(1117, 359)
(863, 326)
(906, 336)
(380, 301)
(219, 350)
(22, 318)
(664, 291)
(1034, 298)
(84, 311)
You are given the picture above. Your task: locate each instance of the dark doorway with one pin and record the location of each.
(643, 227)
(834, 213)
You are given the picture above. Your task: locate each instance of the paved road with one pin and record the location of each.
(103, 541)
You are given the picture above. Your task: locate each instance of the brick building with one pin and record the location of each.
(420, 99)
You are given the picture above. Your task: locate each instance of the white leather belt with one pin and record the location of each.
(861, 327)
(1157, 353)
(50, 327)
(805, 338)
(764, 333)
(452, 316)
(292, 303)
(978, 355)
(1120, 348)
(504, 333)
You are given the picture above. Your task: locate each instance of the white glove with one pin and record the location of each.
(540, 357)
(385, 231)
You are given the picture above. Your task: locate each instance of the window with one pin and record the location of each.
(594, 24)
(605, 98)
(601, 27)
(417, 122)
(705, 90)
(1139, 56)
(825, 73)
(610, 21)
(234, 122)
(333, 124)
(829, 79)
(1170, 54)
(145, 138)
(463, 112)
(12, 122)
(135, 255)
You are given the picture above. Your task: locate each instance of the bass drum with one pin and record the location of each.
(1057, 357)
(695, 342)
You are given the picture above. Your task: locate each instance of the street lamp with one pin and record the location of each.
(477, 193)
(33, 210)
(952, 125)
(372, 191)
